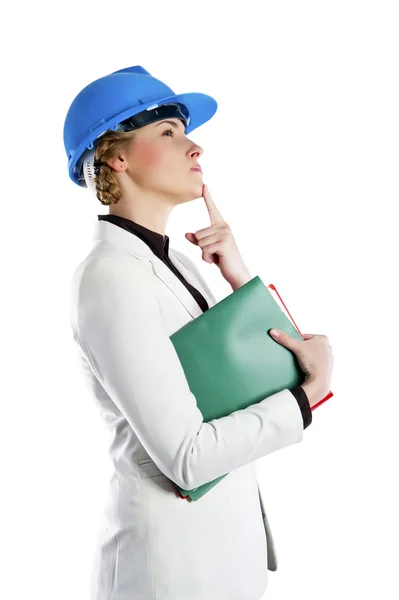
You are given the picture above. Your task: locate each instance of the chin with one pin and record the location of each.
(191, 193)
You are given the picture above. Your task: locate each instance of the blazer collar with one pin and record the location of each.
(127, 241)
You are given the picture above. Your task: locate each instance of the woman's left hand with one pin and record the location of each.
(219, 246)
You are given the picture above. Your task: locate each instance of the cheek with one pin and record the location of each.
(152, 157)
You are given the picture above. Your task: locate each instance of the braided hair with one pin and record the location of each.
(110, 144)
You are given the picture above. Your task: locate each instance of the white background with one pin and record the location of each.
(301, 159)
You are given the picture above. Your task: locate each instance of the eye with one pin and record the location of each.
(168, 130)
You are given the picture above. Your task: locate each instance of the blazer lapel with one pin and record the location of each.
(175, 285)
(109, 232)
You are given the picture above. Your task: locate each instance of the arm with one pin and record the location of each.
(120, 329)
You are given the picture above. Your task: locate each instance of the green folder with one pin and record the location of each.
(230, 359)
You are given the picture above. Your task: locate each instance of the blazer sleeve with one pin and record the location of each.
(121, 332)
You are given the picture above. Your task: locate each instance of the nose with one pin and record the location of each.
(196, 151)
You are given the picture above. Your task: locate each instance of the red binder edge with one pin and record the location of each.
(330, 394)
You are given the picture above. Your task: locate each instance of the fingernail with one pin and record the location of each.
(275, 332)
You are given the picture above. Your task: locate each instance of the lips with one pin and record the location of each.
(196, 169)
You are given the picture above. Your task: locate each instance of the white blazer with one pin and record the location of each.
(152, 544)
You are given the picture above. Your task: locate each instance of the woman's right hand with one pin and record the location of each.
(315, 357)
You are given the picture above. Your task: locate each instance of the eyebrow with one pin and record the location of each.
(171, 122)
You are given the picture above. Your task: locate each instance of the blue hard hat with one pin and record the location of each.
(109, 102)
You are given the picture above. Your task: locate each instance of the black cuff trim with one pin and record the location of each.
(304, 405)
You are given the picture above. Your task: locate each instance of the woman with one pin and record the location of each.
(126, 139)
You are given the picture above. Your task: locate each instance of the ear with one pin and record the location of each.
(118, 164)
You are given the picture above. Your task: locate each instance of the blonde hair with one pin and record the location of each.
(109, 145)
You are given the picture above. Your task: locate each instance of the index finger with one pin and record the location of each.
(214, 213)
